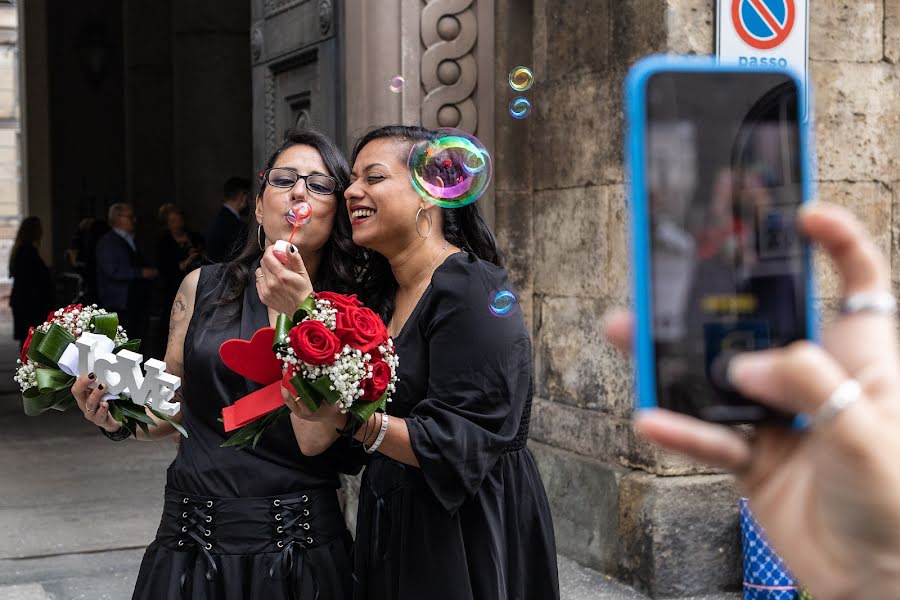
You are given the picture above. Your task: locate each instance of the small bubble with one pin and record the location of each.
(503, 303)
(519, 108)
(521, 79)
(397, 83)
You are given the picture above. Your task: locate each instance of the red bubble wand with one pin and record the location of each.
(302, 214)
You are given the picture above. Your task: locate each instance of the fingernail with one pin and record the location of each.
(104, 404)
(100, 387)
(91, 375)
(281, 256)
(747, 367)
(293, 249)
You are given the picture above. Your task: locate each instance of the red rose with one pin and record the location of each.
(361, 328)
(341, 302)
(314, 343)
(27, 344)
(374, 387)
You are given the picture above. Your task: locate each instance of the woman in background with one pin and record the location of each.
(32, 290)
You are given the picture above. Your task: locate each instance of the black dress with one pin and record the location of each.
(31, 298)
(473, 523)
(237, 524)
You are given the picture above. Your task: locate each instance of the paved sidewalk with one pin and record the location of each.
(75, 528)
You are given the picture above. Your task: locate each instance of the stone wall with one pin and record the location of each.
(667, 526)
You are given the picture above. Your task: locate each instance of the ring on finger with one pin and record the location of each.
(845, 395)
(881, 303)
(261, 276)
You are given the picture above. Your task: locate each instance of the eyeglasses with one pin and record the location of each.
(282, 177)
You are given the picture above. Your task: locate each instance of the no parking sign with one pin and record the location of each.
(767, 33)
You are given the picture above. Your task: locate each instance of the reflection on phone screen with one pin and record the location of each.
(728, 268)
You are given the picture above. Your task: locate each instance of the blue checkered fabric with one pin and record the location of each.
(765, 576)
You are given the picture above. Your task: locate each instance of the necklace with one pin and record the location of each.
(419, 287)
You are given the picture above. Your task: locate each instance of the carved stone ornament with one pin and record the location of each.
(326, 16)
(449, 68)
(256, 43)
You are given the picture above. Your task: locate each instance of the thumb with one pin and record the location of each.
(295, 261)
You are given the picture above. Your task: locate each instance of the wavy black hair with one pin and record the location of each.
(464, 227)
(342, 261)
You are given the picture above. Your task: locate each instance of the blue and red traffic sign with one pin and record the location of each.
(763, 24)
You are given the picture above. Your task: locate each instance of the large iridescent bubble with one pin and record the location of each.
(452, 170)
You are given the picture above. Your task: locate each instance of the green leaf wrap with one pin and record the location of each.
(47, 347)
(282, 327)
(305, 310)
(364, 410)
(307, 392)
(107, 324)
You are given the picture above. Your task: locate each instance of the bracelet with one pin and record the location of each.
(380, 438)
(351, 426)
(118, 436)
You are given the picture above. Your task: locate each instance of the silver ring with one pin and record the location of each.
(840, 399)
(262, 276)
(882, 303)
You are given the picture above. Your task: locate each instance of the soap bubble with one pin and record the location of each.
(520, 107)
(302, 213)
(503, 303)
(452, 170)
(521, 79)
(397, 83)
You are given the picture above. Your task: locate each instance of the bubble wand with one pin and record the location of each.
(302, 214)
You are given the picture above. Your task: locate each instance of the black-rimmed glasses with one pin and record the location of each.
(283, 177)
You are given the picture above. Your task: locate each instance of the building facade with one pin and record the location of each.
(154, 102)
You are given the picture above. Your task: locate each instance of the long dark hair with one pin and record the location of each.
(464, 227)
(29, 234)
(342, 260)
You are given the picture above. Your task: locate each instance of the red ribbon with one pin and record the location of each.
(253, 406)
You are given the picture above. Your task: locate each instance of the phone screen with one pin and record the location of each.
(724, 181)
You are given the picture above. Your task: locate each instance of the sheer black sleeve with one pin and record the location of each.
(478, 382)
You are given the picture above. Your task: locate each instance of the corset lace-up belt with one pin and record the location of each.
(283, 526)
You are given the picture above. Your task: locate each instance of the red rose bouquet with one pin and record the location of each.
(333, 350)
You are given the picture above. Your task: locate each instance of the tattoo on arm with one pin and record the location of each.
(179, 308)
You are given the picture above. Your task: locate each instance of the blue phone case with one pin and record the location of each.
(635, 113)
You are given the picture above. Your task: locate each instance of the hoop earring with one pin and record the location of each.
(427, 218)
(259, 238)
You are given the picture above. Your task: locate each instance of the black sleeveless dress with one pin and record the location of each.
(473, 521)
(237, 524)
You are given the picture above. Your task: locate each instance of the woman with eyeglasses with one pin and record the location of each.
(262, 523)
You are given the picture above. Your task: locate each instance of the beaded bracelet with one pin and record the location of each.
(122, 434)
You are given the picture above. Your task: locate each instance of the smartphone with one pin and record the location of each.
(718, 166)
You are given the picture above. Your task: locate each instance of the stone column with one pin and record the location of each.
(35, 117)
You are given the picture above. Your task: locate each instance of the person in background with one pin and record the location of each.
(227, 234)
(82, 255)
(828, 496)
(178, 252)
(32, 290)
(122, 274)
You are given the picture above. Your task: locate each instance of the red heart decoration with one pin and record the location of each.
(255, 359)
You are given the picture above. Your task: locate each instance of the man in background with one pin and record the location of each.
(227, 233)
(123, 277)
